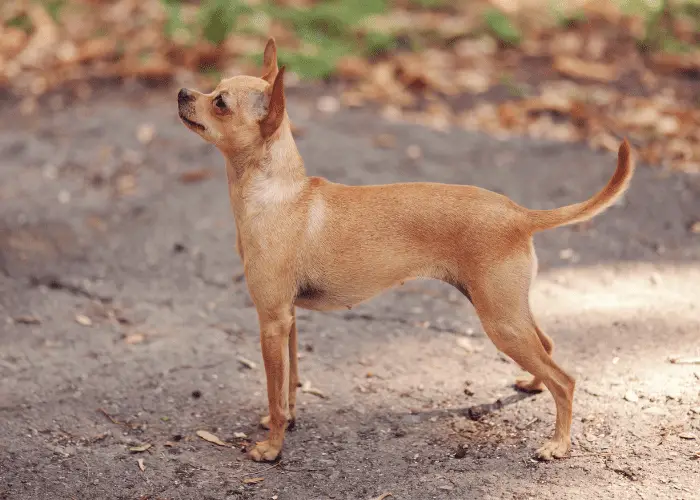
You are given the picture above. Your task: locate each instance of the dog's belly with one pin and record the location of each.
(332, 298)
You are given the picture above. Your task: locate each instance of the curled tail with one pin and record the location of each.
(579, 212)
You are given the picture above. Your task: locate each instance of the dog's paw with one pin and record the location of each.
(265, 423)
(529, 384)
(265, 451)
(553, 449)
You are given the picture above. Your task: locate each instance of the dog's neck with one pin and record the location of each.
(265, 178)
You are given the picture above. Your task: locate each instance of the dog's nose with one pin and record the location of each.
(184, 96)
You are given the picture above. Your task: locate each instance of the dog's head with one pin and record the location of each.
(242, 111)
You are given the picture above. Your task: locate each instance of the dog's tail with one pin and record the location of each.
(579, 212)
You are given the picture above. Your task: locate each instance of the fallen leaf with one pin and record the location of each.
(685, 361)
(585, 70)
(631, 396)
(26, 320)
(682, 63)
(193, 176)
(383, 496)
(138, 449)
(141, 466)
(306, 388)
(687, 435)
(353, 67)
(253, 480)
(465, 344)
(81, 319)
(169, 444)
(134, 338)
(246, 362)
(240, 435)
(208, 436)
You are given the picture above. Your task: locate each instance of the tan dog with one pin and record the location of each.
(311, 243)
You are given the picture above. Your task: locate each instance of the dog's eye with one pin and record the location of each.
(219, 102)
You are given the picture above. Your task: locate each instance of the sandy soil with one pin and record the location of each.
(418, 402)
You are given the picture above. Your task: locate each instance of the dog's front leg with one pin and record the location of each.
(275, 328)
(293, 378)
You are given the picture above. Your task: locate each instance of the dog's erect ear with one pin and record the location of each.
(270, 68)
(275, 107)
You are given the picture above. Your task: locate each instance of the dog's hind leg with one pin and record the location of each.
(533, 384)
(500, 297)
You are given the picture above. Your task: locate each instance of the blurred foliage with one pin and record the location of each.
(502, 27)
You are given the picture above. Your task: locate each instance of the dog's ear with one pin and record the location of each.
(270, 68)
(275, 108)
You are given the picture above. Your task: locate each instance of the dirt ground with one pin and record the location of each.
(97, 223)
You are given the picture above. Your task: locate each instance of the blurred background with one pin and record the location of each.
(565, 70)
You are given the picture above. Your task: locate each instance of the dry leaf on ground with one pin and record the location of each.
(685, 361)
(141, 465)
(383, 496)
(306, 388)
(83, 320)
(134, 338)
(586, 70)
(246, 362)
(208, 436)
(26, 320)
(253, 480)
(139, 449)
(199, 175)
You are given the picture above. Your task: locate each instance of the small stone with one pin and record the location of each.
(461, 452)
(446, 487)
(631, 396)
(687, 435)
(196, 394)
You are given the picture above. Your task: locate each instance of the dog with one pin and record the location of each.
(311, 243)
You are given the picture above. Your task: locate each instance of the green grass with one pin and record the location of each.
(329, 29)
(22, 22)
(501, 26)
(430, 4)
